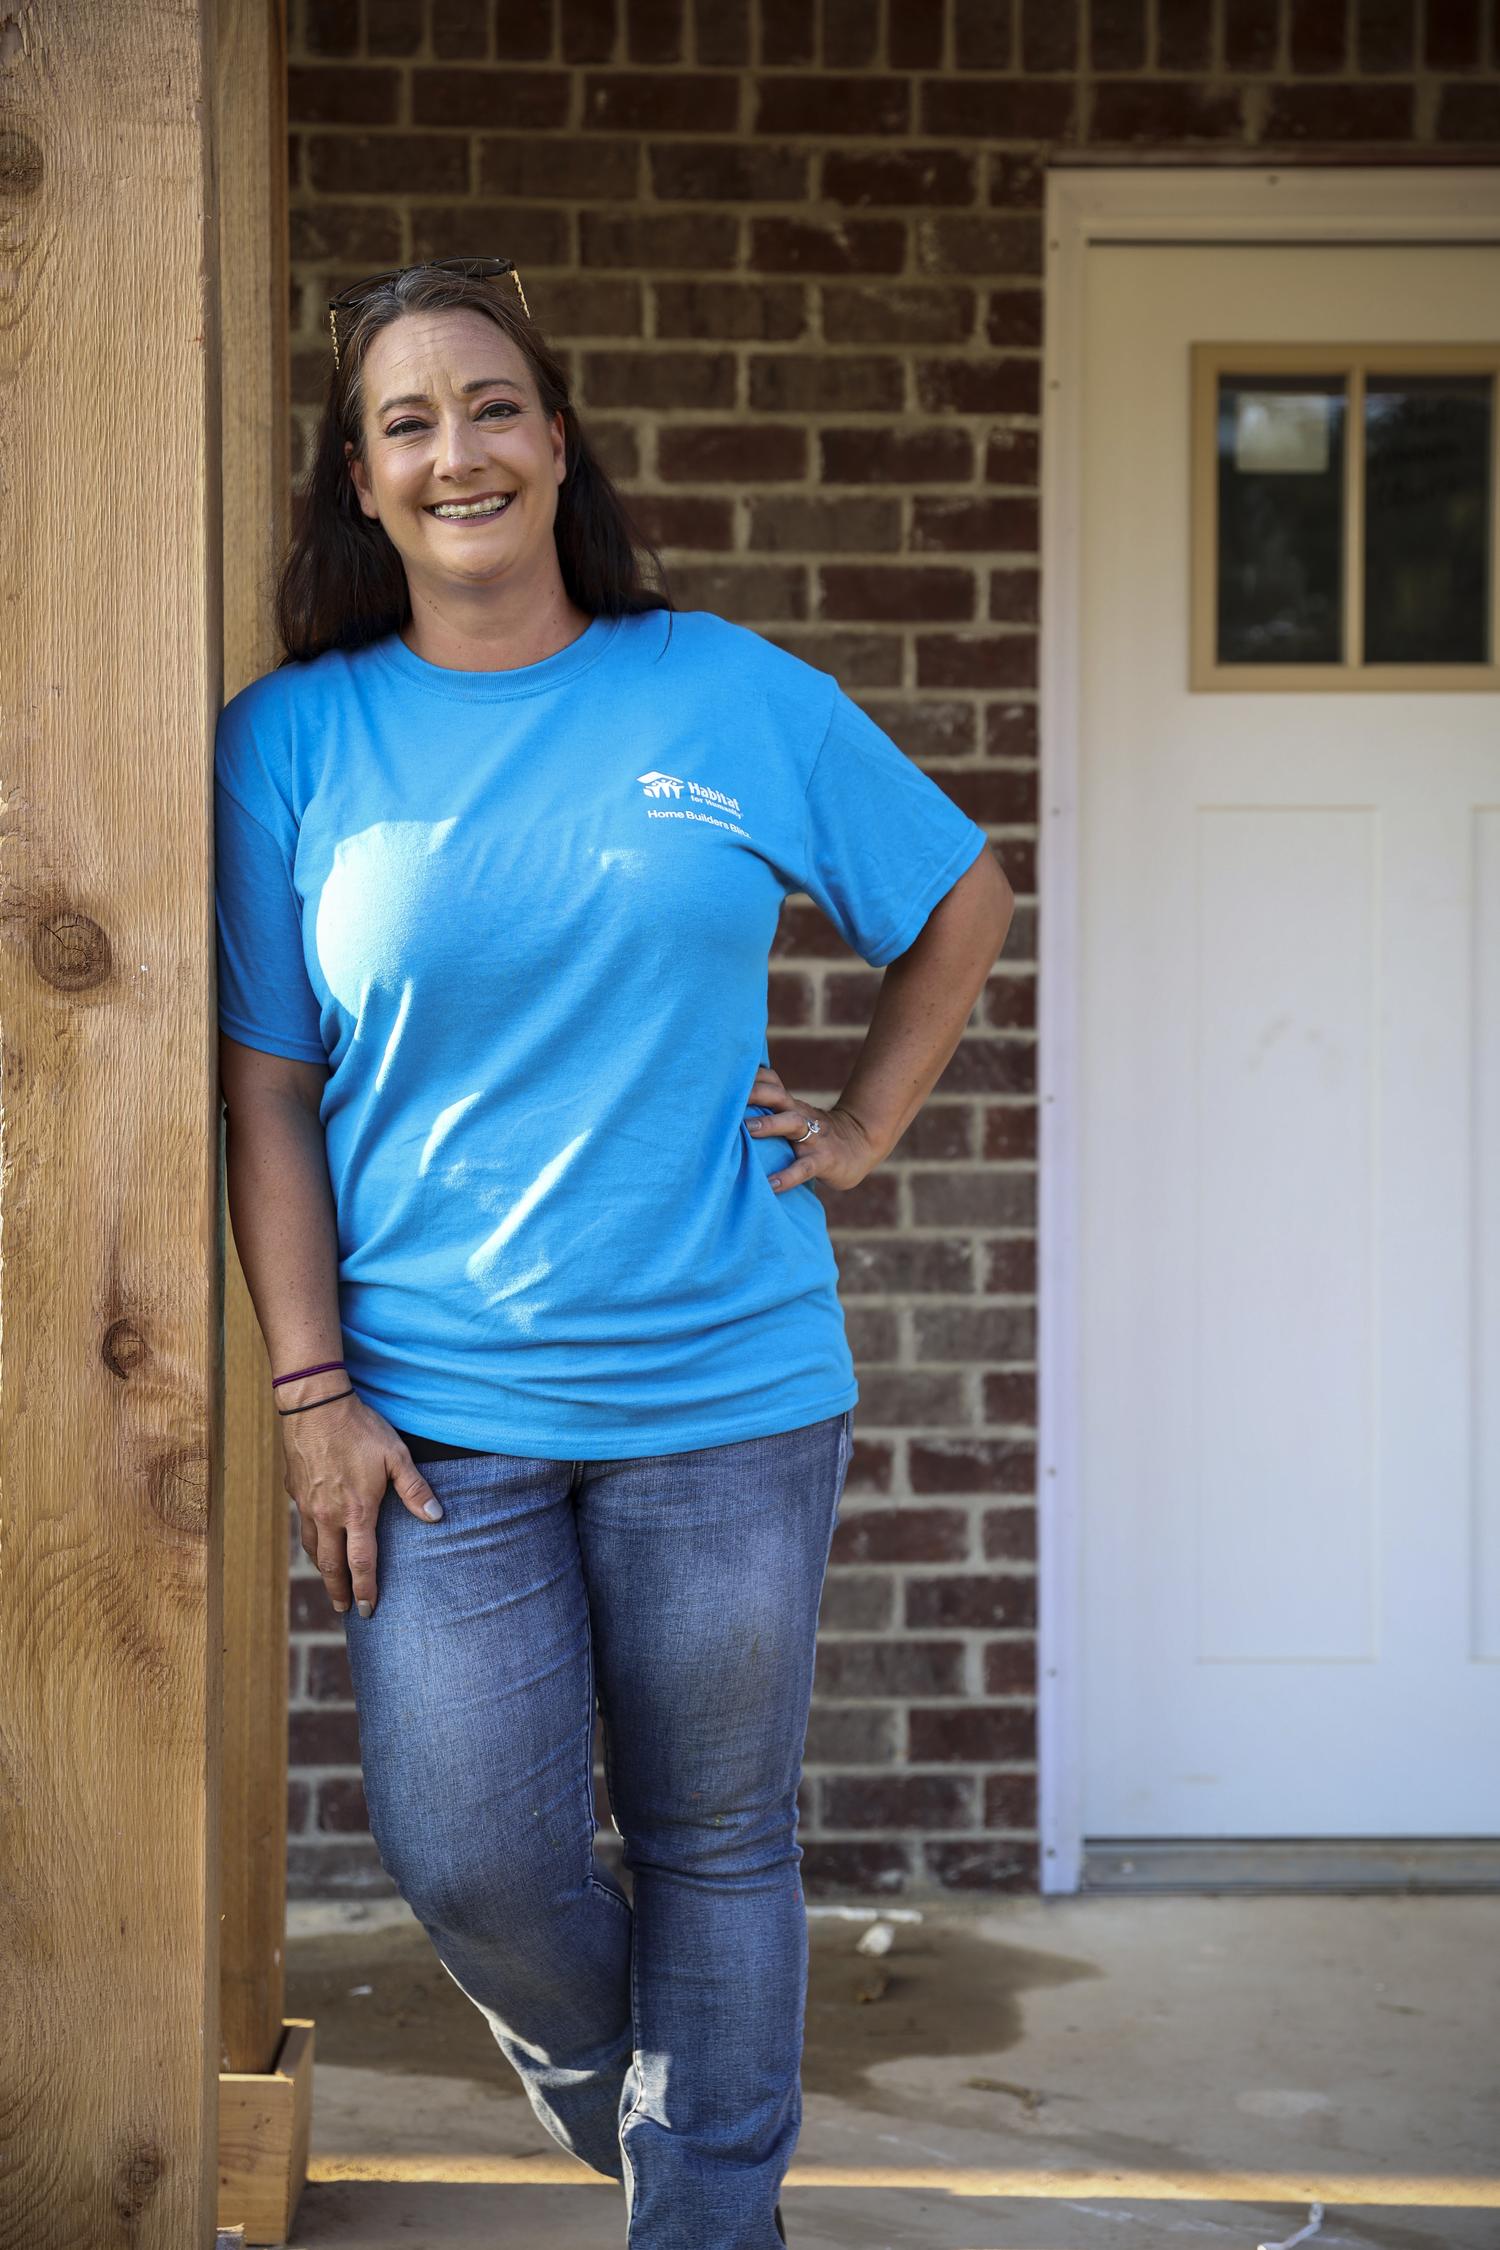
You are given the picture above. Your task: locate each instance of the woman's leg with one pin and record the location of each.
(473, 1682)
(704, 1572)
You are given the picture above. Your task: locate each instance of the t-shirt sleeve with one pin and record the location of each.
(265, 998)
(882, 842)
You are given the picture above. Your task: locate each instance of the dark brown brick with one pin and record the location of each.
(1010, 730)
(993, 525)
(523, 34)
(1117, 34)
(859, 660)
(737, 453)
(964, 1464)
(721, 311)
(651, 241)
(844, 1734)
(851, 31)
(1184, 35)
(341, 96)
(788, 32)
(829, 1870)
(670, 520)
(392, 27)
(857, 1602)
(813, 246)
(532, 236)
(659, 379)
(909, 1266)
(864, 456)
(653, 31)
(330, 27)
(1468, 113)
(982, 34)
(1339, 113)
(298, 1804)
(1014, 317)
(1015, 596)
(1317, 34)
(912, 1800)
(460, 28)
(593, 305)
(367, 163)
(1250, 34)
(970, 1735)
(1164, 109)
(897, 312)
(788, 523)
(328, 1679)
(520, 98)
(1009, 243)
(551, 167)
(960, 1334)
(909, 175)
(1384, 34)
(1049, 36)
(825, 383)
(729, 172)
(323, 1738)
(681, 101)
(853, 1671)
(904, 1534)
(341, 1805)
(1010, 1667)
(981, 1867)
(1454, 34)
(1002, 109)
(894, 592)
(898, 1397)
(789, 998)
(998, 1602)
(589, 30)
(324, 1869)
(722, 31)
(1018, 179)
(748, 591)
(993, 384)
(1010, 1534)
(826, 104)
(350, 232)
(914, 35)
(873, 1333)
(927, 729)
(977, 660)
(1010, 1800)
(1011, 457)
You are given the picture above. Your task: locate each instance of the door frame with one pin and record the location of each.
(1088, 204)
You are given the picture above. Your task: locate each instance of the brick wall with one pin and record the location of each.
(792, 255)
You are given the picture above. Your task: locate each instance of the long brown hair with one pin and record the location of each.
(343, 584)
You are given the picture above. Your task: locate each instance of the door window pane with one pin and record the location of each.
(1427, 509)
(1281, 519)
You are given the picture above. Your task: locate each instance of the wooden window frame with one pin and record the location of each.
(1354, 362)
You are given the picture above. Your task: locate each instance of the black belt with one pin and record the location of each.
(434, 1449)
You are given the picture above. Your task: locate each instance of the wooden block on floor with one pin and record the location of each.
(265, 2118)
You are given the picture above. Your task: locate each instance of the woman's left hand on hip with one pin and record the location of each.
(839, 1152)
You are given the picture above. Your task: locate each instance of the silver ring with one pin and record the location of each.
(814, 1125)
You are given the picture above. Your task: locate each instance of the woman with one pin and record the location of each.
(502, 844)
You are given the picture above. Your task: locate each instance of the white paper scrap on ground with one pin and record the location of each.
(1314, 2221)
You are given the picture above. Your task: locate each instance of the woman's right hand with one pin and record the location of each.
(340, 1460)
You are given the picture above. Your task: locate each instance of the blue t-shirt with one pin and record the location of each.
(525, 918)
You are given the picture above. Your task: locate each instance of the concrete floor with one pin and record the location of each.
(1020, 2074)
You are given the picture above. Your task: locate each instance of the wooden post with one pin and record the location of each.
(110, 1408)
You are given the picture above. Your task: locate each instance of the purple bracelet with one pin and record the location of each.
(326, 1368)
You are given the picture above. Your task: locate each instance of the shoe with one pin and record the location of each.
(780, 2229)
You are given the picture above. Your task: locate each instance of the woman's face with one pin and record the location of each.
(451, 414)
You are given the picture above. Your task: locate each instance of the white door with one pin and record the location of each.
(1289, 1092)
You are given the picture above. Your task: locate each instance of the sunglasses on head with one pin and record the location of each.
(471, 269)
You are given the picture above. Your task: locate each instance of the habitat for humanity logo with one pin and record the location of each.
(700, 799)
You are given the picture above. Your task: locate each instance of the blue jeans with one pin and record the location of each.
(661, 2039)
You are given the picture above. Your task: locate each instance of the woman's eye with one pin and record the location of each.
(504, 405)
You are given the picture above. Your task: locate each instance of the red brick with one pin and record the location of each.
(324, 1869)
(1010, 1667)
(532, 236)
(853, 1671)
(311, 1610)
(825, 383)
(989, 385)
(984, 1465)
(1049, 36)
(789, 523)
(649, 240)
(653, 31)
(589, 30)
(460, 28)
(1014, 317)
(999, 1602)
(909, 175)
(930, 729)
(1250, 30)
(330, 27)
(968, 1333)
(549, 166)
(897, 1397)
(367, 163)
(328, 1678)
(897, 312)
(914, 35)
(895, 592)
(1015, 596)
(722, 31)
(298, 1803)
(989, 525)
(788, 32)
(1009, 1138)
(680, 101)
(1117, 34)
(982, 33)
(1454, 34)
(978, 660)
(1001, 109)
(1010, 243)
(729, 172)
(857, 1602)
(736, 453)
(850, 33)
(743, 590)
(716, 311)
(873, 1333)
(1011, 457)
(1184, 35)
(912, 1800)
(323, 1738)
(671, 520)
(523, 34)
(392, 27)
(940, 1133)
(859, 660)
(970, 1735)
(1010, 730)
(659, 379)
(789, 998)
(1010, 1534)
(1009, 1004)
(341, 96)
(844, 1734)
(981, 1867)
(904, 1534)
(825, 103)
(341, 1805)
(353, 233)
(875, 1202)
(865, 456)
(830, 1869)
(1010, 1265)
(1384, 34)
(1317, 32)
(593, 305)
(521, 98)
(1164, 109)
(1339, 113)
(910, 1266)
(1468, 113)
(1010, 1800)
(1017, 178)
(814, 246)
